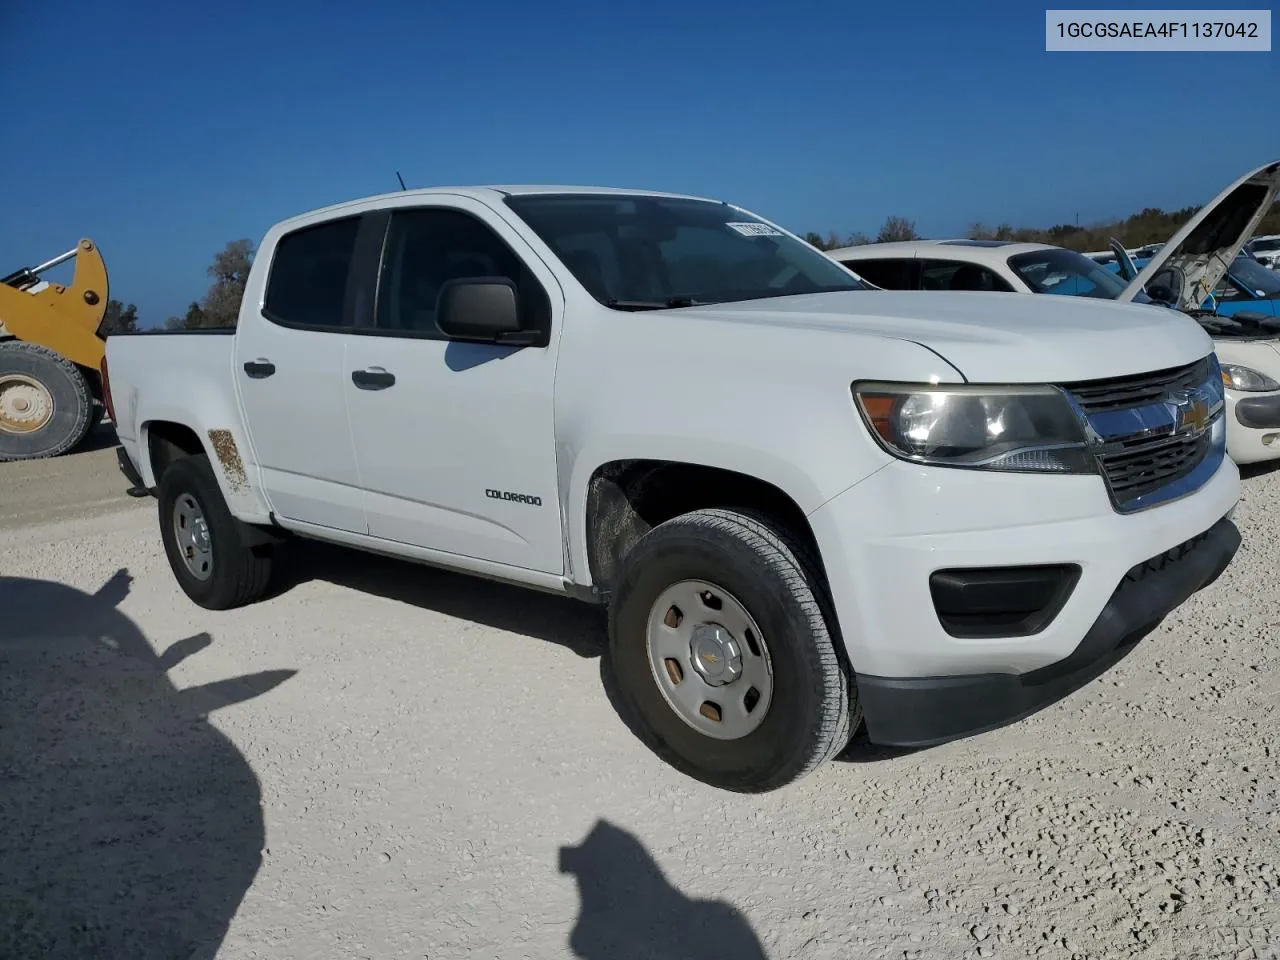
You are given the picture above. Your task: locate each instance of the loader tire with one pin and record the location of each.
(46, 407)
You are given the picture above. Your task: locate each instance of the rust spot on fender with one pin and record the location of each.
(228, 454)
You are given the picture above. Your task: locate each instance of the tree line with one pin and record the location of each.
(220, 305)
(1151, 225)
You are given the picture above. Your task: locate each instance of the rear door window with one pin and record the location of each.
(958, 275)
(892, 273)
(307, 285)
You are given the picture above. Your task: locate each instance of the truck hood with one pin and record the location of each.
(993, 337)
(1195, 258)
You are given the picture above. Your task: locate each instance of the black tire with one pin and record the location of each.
(237, 574)
(66, 386)
(814, 700)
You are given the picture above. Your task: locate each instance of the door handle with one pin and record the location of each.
(260, 368)
(372, 378)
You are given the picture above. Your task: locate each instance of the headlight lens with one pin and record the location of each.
(1015, 429)
(1247, 379)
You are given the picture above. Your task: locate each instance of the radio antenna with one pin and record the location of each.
(401, 179)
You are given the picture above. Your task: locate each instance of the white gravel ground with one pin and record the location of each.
(385, 761)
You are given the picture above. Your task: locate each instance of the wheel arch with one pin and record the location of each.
(164, 439)
(625, 498)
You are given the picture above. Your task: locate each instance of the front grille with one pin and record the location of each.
(1135, 468)
(1141, 463)
(1116, 393)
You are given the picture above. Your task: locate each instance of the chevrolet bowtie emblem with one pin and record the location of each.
(1191, 412)
(1193, 417)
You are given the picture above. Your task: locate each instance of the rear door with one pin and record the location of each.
(289, 370)
(455, 441)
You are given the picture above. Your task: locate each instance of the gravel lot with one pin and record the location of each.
(388, 761)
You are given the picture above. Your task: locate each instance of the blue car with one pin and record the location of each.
(1247, 286)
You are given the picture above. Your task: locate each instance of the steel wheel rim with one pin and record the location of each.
(709, 659)
(26, 405)
(191, 534)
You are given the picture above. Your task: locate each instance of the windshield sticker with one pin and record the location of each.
(755, 229)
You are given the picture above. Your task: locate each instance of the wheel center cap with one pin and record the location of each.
(200, 535)
(716, 655)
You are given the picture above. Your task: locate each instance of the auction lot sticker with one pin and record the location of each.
(1149, 31)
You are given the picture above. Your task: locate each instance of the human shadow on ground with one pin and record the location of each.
(570, 623)
(129, 825)
(631, 911)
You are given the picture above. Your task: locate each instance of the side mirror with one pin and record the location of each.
(1162, 293)
(481, 309)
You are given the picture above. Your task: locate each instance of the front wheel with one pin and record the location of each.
(210, 561)
(722, 654)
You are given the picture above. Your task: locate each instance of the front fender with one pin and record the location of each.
(809, 489)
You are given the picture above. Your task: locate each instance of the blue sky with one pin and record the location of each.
(164, 130)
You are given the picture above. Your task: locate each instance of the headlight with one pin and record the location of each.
(1016, 429)
(1247, 379)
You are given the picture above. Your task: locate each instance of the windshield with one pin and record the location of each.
(1066, 273)
(642, 252)
(1265, 246)
(1255, 276)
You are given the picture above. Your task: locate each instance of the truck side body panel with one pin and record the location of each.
(185, 380)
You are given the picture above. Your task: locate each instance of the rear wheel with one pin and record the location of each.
(46, 407)
(210, 561)
(722, 654)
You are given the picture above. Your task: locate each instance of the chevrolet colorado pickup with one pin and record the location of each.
(804, 502)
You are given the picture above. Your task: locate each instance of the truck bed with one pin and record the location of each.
(181, 361)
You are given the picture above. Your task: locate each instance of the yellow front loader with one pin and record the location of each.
(51, 352)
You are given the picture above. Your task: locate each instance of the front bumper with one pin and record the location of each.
(927, 710)
(883, 540)
(1253, 426)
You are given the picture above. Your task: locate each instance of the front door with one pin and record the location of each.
(455, 441)
(289, 370)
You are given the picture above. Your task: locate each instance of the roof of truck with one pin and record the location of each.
(488, 193)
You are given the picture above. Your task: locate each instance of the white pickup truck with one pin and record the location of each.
(804, 502)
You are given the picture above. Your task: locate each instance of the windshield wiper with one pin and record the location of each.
(669, 304)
